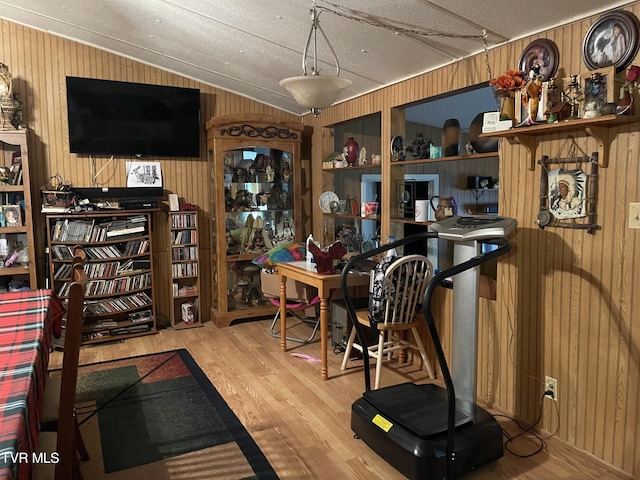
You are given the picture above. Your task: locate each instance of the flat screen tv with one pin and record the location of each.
(133, 119)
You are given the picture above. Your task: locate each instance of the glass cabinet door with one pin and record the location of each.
(255, 194)
(258, 195)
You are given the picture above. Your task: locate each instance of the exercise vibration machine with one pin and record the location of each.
(425, 431)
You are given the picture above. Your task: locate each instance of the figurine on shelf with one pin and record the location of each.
(231, 243)
(534, 93)
(228, 199)
(287, 230)
(286, 172)
(574, 95)
(362, 156)
(263, 199)
(270, 170)
(259, 164)
(419, 147)
(243, 201)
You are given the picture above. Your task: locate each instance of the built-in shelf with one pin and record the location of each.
(598, 128)
(350, 215)
(408, 221)
(368, 166)
(445, 159)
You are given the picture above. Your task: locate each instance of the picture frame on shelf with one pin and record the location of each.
(540, 57)
(12, 215)
(406, 197)
(600, 87)
(607, 90)
(613, 40)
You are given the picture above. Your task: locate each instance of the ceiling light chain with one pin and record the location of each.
(486, 55)
(425, 33)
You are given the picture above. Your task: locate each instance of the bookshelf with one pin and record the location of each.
(185, 270)
(119, 297)
(16, 225)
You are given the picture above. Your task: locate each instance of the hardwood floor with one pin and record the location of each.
(300, 422)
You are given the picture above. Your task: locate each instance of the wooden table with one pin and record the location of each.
(25, 338)
(325, 284)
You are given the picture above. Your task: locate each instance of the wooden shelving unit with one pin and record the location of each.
(599, 128)
(13, 151)
(185, 270)
(119, 299)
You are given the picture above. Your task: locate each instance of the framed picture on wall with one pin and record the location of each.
(612, 40)
(540, 57)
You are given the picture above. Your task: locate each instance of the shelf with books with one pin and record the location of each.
(184, 257)
(119, 269)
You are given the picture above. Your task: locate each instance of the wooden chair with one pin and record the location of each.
(60, 398)
(403, 287)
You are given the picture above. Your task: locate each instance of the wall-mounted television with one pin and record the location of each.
(132, 119)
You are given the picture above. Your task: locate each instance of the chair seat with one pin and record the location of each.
(396, 289)
(51, 403)
(363, 319)
(308, 314)
(295, 305)
(47, 443)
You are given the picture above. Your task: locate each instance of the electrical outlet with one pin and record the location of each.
(551, 385)
(634, 215)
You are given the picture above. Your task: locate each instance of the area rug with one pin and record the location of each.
(158, 417)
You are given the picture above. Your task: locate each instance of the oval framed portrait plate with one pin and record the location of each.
(612, 41)
(540, 57)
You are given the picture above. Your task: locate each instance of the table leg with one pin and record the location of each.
(283, 313)
(323, 336)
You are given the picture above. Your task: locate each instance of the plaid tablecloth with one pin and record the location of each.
(25, 338)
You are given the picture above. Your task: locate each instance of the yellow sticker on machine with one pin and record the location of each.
(382, 422)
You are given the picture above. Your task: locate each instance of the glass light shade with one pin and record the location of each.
(315, 91)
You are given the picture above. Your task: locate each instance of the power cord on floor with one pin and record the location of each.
(528, 430)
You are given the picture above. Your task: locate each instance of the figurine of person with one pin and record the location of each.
(362, 156)
(286, 171)
(287, 231)
(271, 173)
(534, 91)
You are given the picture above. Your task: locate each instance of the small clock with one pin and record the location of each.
(544, 218)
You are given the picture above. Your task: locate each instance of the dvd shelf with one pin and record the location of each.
(119, 295)
(183, 232)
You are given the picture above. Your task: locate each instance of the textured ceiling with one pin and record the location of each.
(248, 46)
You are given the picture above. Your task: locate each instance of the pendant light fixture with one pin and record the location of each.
(315, 91)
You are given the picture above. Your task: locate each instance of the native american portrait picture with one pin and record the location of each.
(567, 193)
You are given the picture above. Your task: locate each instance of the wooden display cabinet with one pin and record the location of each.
(255, 178)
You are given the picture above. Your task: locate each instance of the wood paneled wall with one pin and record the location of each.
(39, 63)
(568, 303)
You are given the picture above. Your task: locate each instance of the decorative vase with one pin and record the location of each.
(451, 137)
(352, 149)
(508, 107)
